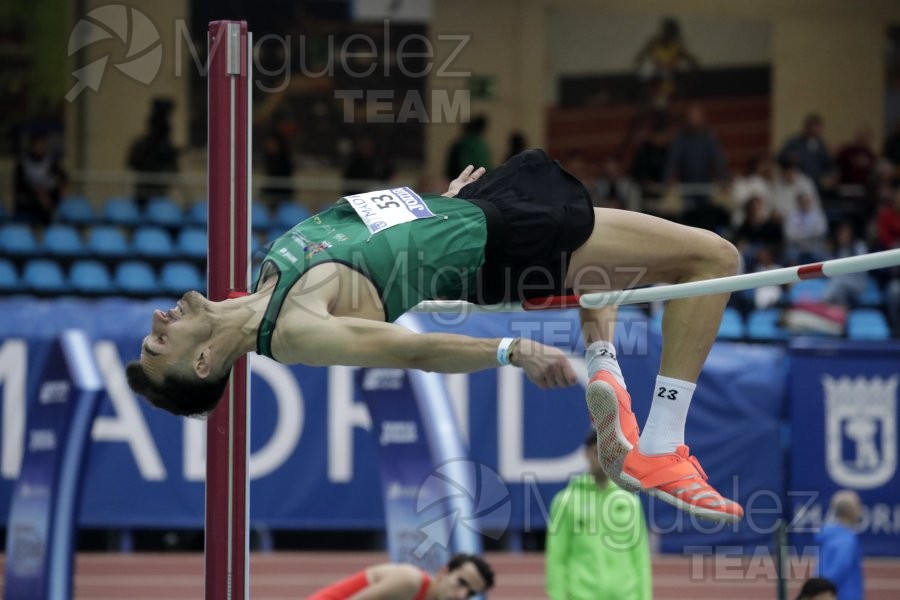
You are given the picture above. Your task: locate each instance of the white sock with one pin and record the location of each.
(664, 430)
(601, 356)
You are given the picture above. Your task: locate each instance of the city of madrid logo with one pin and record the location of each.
(860, 430)
(140, 38)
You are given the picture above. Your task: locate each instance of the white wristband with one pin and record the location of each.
(503, 351)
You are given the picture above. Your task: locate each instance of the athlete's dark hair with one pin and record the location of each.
(590, 439)
(484, 569)
(816, 585)
(178, 395)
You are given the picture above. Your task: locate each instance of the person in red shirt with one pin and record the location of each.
(856, 160)
(889, 222)
(464, 576)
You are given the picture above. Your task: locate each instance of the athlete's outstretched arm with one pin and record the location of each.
(329, 340)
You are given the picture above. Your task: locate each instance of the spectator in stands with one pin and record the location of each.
(659, 62)
(846, 290)
(756, 182)
(810, 153)
(464, 576)
(648, 167)
(365, 164)
(889, 223)
(856, 160)
(658, 65)
(153, 155)
(597, 539)
(470, 149)
(884, 184)
(765, 296)
(696, 160)
(278, 162)
(840, 558)
(39, 180)
(517, 144)
(613, 189)
(817, 588)
(805, 231)
(856, 163)
(759, 227)
(891, 148)
(790, 184)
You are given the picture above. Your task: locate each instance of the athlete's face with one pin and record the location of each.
(463, 582)
(177, 338)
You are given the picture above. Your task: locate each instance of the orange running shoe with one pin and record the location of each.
(678, 479)
(617, 429)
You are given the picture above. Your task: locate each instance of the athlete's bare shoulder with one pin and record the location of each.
(406, 576)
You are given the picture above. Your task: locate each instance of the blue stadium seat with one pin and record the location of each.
(76, 210)
(867, 324)
(164, 212)
(179, 277)
(17, 239)
(809, 290)
(153, 242)
(121, 211)
(9, 278)
(90, 277)
(763, 325)
(191, 242)
(63, 240)
(289, 214)
(732, 326)
(260, 218)
(198, 213)
(107, 241)
(136, 277)
(872, 295)
(44, 276)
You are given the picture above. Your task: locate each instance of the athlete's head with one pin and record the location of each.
(464, 576)
(180, 370)
(594, 466)
(817, 588)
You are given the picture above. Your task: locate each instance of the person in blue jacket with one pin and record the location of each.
(840, 558)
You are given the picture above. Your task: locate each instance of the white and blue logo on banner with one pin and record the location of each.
(844, 413)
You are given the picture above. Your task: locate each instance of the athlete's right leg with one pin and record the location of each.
(618, 433)
(628, 249)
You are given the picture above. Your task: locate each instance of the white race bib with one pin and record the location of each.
(382, 209)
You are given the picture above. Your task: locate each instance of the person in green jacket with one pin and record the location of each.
(469, 149)
(597, 539)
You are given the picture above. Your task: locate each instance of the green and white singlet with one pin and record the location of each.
(431, 258)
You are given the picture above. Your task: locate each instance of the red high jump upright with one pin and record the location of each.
(228, 270)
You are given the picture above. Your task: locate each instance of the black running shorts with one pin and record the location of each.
(537, 215)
